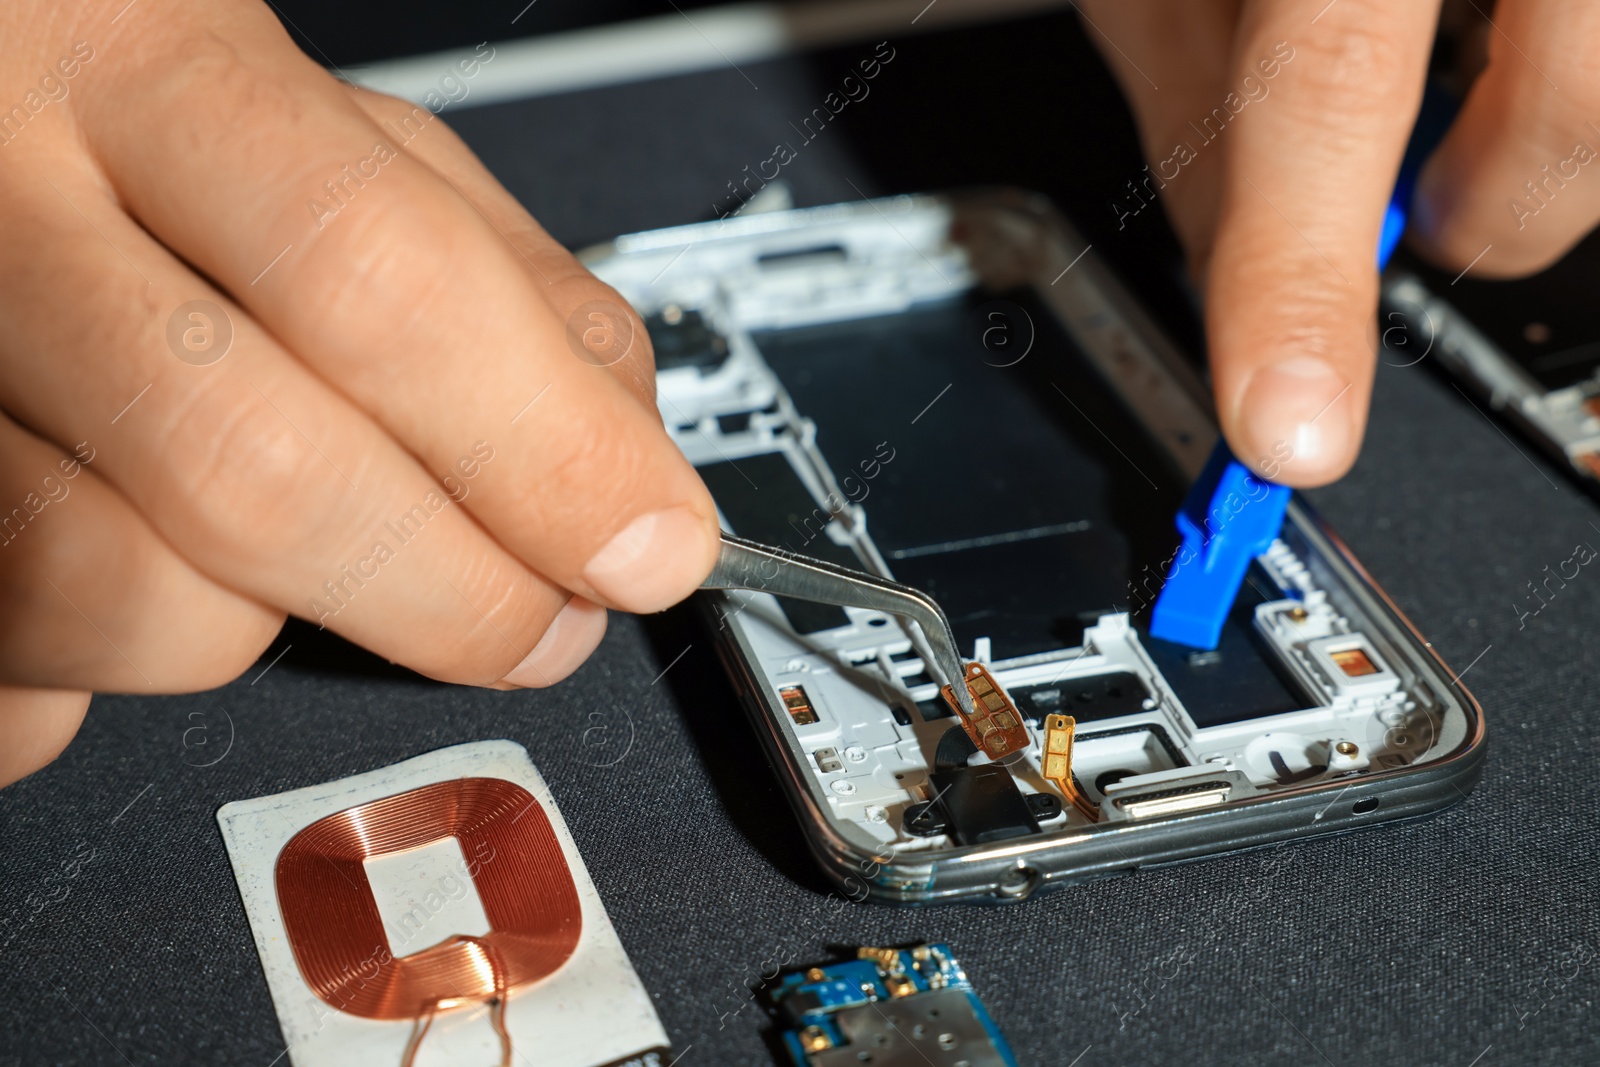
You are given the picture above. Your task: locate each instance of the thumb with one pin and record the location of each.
(1307, 175)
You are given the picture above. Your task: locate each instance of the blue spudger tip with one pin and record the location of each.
(1220, 536)
(1229, 517)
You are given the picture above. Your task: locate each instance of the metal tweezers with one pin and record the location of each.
(760, 568)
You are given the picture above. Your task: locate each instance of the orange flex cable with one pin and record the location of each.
(1056, 763)
(997, 727)
(522, 879)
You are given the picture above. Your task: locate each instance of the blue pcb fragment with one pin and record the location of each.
(892, 1007)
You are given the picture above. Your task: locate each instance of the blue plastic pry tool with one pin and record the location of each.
(1220, 538)
(1228, 519)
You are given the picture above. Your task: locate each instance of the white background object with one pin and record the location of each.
(592, 1011)
(672, 44)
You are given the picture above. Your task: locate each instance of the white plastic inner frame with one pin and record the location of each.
(425, 895)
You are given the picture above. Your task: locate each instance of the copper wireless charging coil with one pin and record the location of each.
(524, 884)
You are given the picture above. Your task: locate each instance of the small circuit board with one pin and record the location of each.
(996, 725)
(1056, 763)
(891, 1007)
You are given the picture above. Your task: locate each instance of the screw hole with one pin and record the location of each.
(1365, 807)
(1018, 883)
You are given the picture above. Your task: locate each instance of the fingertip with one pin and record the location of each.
(1297, 422)
(654, 561)
(1429, 210)
(1495, 199)
(1434, 227)
(571, 638)
(35, 726)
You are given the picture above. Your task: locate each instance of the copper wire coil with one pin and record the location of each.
(524, 884)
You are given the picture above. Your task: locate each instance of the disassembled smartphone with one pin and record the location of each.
(1529, 347)
(952, 391)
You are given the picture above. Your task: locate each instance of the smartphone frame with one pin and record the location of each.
(1561, 422)
(1013, 238)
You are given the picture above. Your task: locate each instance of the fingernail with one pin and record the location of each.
(1301, 403)
(574, 633)
(655, 561)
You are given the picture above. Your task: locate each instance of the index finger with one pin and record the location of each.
(565, 283)
(1309, 169)
(403, 295)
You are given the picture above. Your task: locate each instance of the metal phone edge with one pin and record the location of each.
(1017, 869)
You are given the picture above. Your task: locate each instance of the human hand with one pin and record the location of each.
(390, 416)
(1275, 131)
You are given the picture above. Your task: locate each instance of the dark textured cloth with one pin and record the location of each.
(1467, 938)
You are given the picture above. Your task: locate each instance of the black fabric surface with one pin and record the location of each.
(1469, 938)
